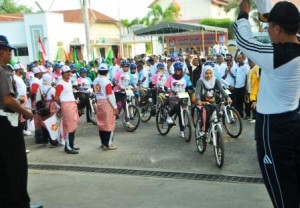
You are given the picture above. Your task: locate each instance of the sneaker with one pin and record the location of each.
(247, 118)
(109, 148)
(129, 125)
(169, 120)
(252, 121)
(27, 133)
(27, 151)
(53, 145)
(182, 134)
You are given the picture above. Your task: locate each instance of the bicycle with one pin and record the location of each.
(132, 112)
(147, 106)
(231, 119)
(87, 102)
(213, 136)
(161, 124)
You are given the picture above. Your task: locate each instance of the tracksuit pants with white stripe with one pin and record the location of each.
(278, 151)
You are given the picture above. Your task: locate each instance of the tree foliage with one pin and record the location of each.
(155, 15)
(224, 23)
(11, 7)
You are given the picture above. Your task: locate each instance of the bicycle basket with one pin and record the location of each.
(173, 100)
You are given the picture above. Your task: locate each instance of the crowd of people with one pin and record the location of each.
(263, 81)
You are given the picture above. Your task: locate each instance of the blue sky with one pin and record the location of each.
(128, 9)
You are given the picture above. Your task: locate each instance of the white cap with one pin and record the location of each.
(18, 66)
(65, 68)
(103, 67)
(39, 69)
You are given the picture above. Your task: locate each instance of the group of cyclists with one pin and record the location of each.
(163, 81)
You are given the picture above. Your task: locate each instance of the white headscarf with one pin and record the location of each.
(209, 84)
(47, 79)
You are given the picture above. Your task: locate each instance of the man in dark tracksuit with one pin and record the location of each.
(277, 129)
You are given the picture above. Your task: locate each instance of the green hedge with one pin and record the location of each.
(224, 23)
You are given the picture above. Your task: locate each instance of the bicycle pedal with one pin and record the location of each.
(173, 124)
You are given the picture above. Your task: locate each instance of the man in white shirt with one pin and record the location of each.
(240, 73)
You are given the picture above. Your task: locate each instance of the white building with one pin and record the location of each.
(198, 9)
(63, 29)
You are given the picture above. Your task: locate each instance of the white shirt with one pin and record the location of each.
(20, 85)
(279, 89)
(220, 70)
(240, 73)
(144, 74)
(49, 90)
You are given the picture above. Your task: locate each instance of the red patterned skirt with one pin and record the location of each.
(69, 116)
(106, 120)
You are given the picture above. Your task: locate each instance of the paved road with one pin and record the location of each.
(145, 149)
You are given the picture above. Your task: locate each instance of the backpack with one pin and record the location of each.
(41, 106)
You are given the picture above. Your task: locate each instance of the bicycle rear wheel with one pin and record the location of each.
(134, 118)
(187, 125)
(219, 147)
(200, 139)
(195, 114)
(233, 125)
(161, 124)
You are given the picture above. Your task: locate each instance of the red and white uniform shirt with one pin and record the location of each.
(64, 91)
(102, 87)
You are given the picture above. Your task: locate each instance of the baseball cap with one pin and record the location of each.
(39, 69)
(102, 67)
(18, 66)
(283, 12)
(65, 68)
(5, 44)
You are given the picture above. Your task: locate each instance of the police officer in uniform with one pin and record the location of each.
(13, 160)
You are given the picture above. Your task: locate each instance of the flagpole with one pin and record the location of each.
(87, 31)
(121, 44)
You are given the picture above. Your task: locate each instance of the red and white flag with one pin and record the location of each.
(42, 51)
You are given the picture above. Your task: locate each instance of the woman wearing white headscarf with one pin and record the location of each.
(48, 92)
(206, 88)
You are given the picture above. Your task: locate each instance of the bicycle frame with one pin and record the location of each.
(214, 121)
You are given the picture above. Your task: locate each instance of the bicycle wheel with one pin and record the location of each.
(161, 124)
(219, 148)
(187, 125)
(200, 140)
(134, 118)
(195, 114)
(145, 112)
(232, 123)
(91, 114)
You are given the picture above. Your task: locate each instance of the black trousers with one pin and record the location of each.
(239, 94)
(13, 167)
(278, 151)
(106, 137)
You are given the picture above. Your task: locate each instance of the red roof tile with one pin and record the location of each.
(11, 17)
(76, 16)
(69, 16)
